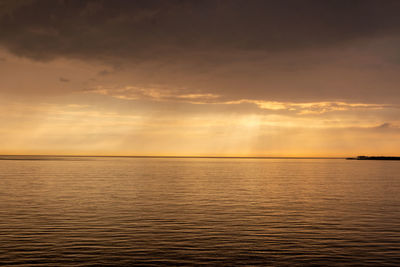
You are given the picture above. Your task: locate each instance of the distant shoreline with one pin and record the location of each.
(374, 158)
(68, 157)
(58, 157)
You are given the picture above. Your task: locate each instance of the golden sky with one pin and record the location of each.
(198, 78)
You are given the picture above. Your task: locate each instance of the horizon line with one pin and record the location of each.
(169, 156)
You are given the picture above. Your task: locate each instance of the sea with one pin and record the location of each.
(122, 211)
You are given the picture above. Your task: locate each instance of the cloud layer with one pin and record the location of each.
(210, 77)
(266, 50)
(146, 29)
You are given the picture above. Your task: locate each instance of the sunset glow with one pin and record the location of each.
(217, 97)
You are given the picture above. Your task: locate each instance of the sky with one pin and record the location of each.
(200, 78)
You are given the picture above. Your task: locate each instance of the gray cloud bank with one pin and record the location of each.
(91, 29)
(272, 50)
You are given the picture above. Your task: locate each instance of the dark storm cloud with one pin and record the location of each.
(283, 50)
(137, 30)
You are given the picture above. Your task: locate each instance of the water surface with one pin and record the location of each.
(158, 211)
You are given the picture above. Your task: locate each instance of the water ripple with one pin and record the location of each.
(149, 212)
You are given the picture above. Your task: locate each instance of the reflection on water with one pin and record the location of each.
(125, 211)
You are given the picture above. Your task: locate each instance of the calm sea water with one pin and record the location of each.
(144, 211)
